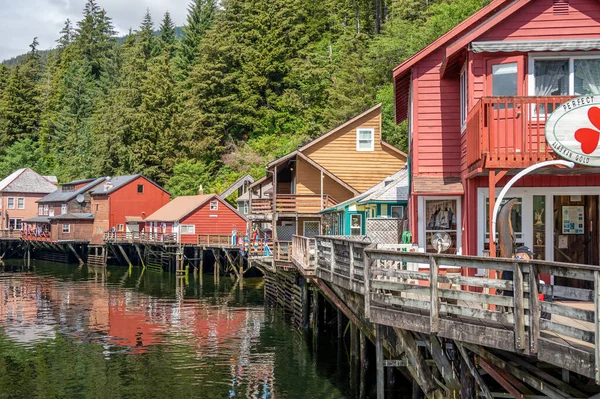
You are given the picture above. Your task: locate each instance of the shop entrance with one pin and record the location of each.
(576, 229)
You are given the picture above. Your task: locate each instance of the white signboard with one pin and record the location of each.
(573, 130)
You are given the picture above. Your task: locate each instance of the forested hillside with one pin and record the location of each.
(248, 81)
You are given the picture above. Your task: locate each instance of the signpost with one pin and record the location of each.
(573, 130)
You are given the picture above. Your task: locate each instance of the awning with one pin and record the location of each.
(133, 219)
(525, 46)
(37, 219)
(429, 185)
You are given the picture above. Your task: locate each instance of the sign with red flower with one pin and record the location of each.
(573, 130)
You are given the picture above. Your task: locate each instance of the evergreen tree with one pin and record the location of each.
(167, 38)
(200, 18)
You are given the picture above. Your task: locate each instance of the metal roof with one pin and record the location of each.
(26, 180)
(73, 216)
(66, 196)
(179, 207)
(38, 219)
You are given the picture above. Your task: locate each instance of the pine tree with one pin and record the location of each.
(200, 18)
(167, 38)
(145, 36)
(19, 109)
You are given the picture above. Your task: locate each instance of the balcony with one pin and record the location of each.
(508, 132)
(298, 203)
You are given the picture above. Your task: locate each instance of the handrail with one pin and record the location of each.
(420, 291)
(282, 251)
(293, 203)
(11, 234)
(139, 237)
(304, 252)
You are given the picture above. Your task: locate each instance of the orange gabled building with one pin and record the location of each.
(190, 218)
(477, 100)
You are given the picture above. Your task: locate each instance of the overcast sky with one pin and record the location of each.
(22, 20)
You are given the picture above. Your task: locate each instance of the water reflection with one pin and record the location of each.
(69, 332)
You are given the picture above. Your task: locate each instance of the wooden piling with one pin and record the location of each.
(379, 361)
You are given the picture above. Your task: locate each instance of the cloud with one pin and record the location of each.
(22, 20)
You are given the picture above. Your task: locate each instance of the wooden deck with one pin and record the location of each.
(419, 292)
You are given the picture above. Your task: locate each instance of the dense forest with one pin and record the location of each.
(246, 81)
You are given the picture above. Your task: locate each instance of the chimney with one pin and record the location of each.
(200, 190)
(108, 184)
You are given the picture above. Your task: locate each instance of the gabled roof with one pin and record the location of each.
(26, 180)
(391, 189)
(117, 183)
(80, 181)
(239, 183)
(503, 8)
(66, 196)
(51, 179)
(180, 207)
(267, 190)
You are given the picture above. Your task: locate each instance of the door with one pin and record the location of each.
(576, 230)
(505, 79)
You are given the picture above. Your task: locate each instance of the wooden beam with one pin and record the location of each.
(500, 379)
(422, 371)
(597, 326)
(434, 304)
(534, 309)
(379, 362)
(442, 362)
(530, 380)
(482, 386)
(519, 309)
(124, 255)
(139, 252)
(81, 263)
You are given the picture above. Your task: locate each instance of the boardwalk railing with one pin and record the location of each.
(10, 234)
(304, 253)
(139, 238)
(509, 131)
(282, 251)
(35, 236)
(293, 203)
(414, 291)
(215, 240)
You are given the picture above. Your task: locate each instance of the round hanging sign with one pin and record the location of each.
(573, 130)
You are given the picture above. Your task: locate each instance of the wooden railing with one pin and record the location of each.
(282, 251)
(293, 203)
(136, 237)
(508, 132)
(35, 236)
(304, 253)
(411, 290)
(11, 234)
(215, 240)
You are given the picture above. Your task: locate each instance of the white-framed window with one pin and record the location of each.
(564, 75)
(46, 210)
(214, 205)
(356, 224)
(245, 207)
(66, 228)
(40, 210)
(120, 227)
(51, 212)
(464, 91)
(187, 229)
(20, 203)
(311, 228)
(365, 139)
(397, 212)
(11, 203)
(439, 217)
(15, 224)
(63, 209)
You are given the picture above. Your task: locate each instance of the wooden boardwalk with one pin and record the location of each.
(423, 294)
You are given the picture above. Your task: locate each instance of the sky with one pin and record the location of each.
(22, 20)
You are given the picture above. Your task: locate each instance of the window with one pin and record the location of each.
(140, 188)
(11, 203)
(504, 79)
(15, 224)
(51, 212)
(45, 212)
(397, 212)
(464, 110)
(187, 229)
(516, 219)
(214, 205)
(20, 203)
(365, 139)
(565, 76)
(441, 225)
(120, 227)
(63, 209)
(97, 206)
(245, 206)
(66, 228)
(40, 210)
(355, 225)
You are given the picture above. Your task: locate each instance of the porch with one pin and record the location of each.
(508, 132)
(293, 204)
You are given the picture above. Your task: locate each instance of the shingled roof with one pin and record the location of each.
(26, 180)
(66, 196)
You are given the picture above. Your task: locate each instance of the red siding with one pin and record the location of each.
(206, 222)
(436, 120)
(537, 21)
(126, 201)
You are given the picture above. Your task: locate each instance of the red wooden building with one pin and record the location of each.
(477, 100)
(121, 203)
(194, 216)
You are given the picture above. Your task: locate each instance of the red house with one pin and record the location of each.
(196, 215)
(123, 202)
(477, 100)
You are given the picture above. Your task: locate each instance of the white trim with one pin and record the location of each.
(64, 208)
(370, 129)
(361, 223)
(464, 97)
(68, 226)
(216, 205)
(421, 222)
(19, 199)
(8, 206)
(526, 194)
(190, 227)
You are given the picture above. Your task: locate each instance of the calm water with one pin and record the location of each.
(104, 333)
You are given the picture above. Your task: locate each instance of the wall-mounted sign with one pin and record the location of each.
(573, 130)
